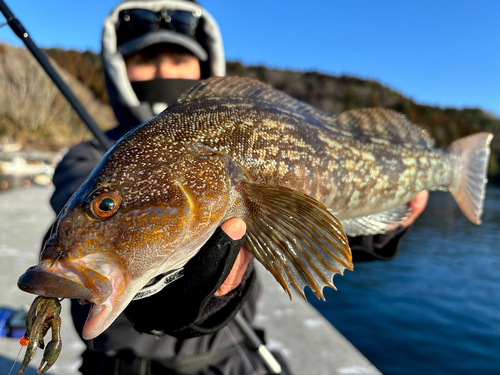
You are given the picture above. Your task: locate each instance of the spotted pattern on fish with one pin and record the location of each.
(279, 147)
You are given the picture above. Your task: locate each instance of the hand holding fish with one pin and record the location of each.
(417, 205)
(235, 228)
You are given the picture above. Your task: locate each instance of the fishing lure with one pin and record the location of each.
(42, 316)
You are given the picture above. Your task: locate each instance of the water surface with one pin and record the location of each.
(435, 308)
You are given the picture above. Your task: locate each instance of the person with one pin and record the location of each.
(152, 51)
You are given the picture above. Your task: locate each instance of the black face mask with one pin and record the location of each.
(161, 92)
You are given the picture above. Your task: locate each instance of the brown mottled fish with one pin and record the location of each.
(234, 147)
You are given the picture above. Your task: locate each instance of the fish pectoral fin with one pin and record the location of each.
(378, 223)
(295, 237)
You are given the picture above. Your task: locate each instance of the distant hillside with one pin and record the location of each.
(328, 93)
(34, 113)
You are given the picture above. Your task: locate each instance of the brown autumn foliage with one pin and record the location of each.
(85, 67)
(325, 92)
(34, 113)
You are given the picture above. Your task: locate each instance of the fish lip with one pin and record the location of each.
(97, 320)
(50, 284)
(87, 276)
(101, 316)
(62, 280)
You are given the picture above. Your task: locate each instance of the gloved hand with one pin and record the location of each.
(200, 302)
(385, 246)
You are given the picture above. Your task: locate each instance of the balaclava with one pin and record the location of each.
(135, 103)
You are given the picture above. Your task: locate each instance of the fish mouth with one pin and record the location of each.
(62, 280)
(49, 284)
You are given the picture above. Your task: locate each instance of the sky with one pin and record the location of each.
(436, 52)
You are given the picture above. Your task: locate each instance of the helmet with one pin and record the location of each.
(136, 24)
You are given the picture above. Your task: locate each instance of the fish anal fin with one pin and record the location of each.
(378, 223)
(469, 187)
(294, 236)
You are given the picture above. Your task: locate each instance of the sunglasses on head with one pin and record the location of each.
(137, 22)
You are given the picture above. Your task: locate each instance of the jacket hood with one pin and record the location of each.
(129, 111)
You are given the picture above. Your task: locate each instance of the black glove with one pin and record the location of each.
(187, 307)
(381, 246)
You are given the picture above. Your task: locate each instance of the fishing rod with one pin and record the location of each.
(18, 29)
(270, 361)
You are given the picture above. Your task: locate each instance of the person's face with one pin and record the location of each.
(140, 68)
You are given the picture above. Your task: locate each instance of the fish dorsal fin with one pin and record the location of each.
(295, 237)
(242, 87)
(376, 122)
(378, 223)
(385, 123)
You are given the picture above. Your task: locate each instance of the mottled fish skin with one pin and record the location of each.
(229, 148)
(352, 174)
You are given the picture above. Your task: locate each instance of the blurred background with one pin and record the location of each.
(434, 308)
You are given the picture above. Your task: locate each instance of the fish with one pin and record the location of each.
(232, 147)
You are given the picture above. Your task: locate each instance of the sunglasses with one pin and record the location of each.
(137, 22)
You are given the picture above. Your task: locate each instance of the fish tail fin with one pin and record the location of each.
(469, 187)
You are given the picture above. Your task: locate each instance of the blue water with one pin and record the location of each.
(435, 308)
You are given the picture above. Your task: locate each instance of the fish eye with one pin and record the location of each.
(105, 205)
